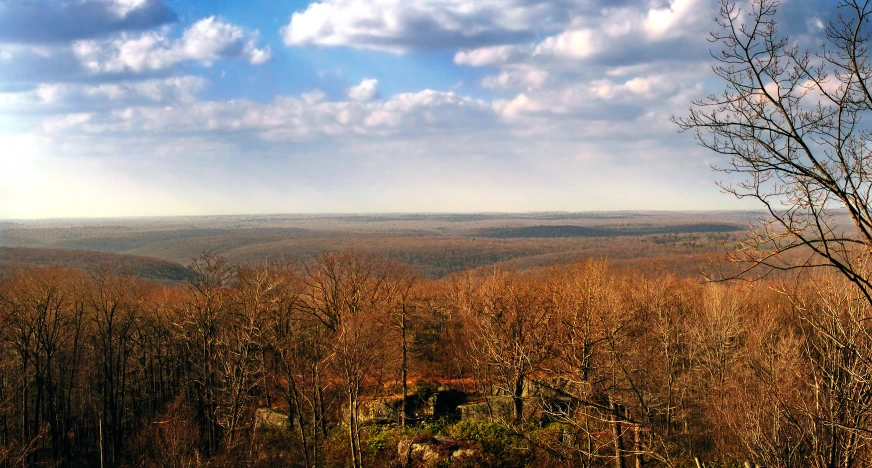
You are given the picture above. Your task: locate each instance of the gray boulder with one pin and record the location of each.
(432, 451)
(271, 419)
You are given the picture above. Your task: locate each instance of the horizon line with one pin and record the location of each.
(367, 213)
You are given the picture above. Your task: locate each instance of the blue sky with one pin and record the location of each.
(153, 107)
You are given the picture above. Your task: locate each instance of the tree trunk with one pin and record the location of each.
(517, 399)
(617, 432)
(404, 413)
(351, 429)
(637, 445)
(357, 430)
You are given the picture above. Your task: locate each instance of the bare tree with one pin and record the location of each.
(45, 328)
(201, 321)
(513, 330)
(835, 417)
(242, 343)
(792, 123)
(112, 308)
(401, 281)
(346, 292)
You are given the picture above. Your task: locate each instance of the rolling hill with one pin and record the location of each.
(143, 267)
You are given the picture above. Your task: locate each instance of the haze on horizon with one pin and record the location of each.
(114, 108)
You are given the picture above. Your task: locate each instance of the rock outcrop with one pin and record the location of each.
(444, 403)
(502, 408)
(432, 451)
(386, 410)
(271, 419)
(381, 410)
(556, 387)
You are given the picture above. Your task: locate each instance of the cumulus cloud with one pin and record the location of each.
(631, 31)
(573, 43)
(366, 90)
(517, 77)
(75, 121)
(668, 19)
(313, 96)
(604, 99)
(49, 105)
(205, 41)
(492, 55)
(56, 21)
(490, 32)
(177, 89)
(400, 26)
(50, 93)
(597, 39)
(210, 39)
(306, 117)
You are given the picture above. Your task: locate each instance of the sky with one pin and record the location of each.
(198, 107)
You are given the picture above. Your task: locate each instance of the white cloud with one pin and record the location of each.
(490, 32)
(399, 26)
(306, 117)
(209, 39)
(205, 41)
(522, 104)
(426, 110)
(518, 77)
(621, 30)
(667, 21)
(124, 7)
(578, 43)
(62, 21)
(50, 93)
(493, 55)
(312, 97)
(815, 24)
(57, 97)
(365, 91)
(600, 98)
(645, 85)
(260, 56)
(74, 121)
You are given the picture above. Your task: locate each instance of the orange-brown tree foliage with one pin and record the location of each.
(601, 368)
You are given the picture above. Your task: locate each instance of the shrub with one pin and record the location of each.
(495, 444)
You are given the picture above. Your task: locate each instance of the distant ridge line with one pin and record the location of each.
(582, 231)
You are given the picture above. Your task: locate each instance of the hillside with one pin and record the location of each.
(437, 244)
(143, 267)
(582, 231)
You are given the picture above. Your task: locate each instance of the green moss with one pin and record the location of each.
(496, 444)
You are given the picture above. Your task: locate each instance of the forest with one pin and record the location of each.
(434, 244)
(353, 359)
